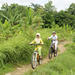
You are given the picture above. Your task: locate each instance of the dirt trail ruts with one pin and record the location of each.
(26, 68)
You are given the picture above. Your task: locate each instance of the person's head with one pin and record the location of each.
(53, 33)
(37, 35)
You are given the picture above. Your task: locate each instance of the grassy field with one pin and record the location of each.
(18, 29)
(17, 50)
(64, 64)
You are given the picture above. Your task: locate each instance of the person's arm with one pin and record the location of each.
(32, 42)
(49, 37)
(41, 42)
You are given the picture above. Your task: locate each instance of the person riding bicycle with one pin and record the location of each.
(54, 39)
(39, 42)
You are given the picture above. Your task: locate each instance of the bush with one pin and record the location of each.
(74, 37)
(17, 49)
(60, 65)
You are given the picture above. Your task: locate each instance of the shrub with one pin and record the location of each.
(17, 49)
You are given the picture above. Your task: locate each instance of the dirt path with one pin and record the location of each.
(26, 68)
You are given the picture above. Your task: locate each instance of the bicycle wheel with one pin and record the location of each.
(40, 60)
(56, 52)
(50, 53)
(34, 60)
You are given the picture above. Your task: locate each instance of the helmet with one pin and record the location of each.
(53, 32)
(37, 34)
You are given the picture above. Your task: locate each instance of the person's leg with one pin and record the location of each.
(51, 45)
(40, 56)
(36, 50)
(56, 45)
(39, 51)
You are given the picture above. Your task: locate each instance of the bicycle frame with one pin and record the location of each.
(52, 50)
(35, 58)
(35, 55)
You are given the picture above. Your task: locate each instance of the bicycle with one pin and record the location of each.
(52, 50)
(35, 58)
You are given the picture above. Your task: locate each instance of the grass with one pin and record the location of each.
(64, 64)
(7, 68)
(17, 49)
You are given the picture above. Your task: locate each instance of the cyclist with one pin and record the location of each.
(54, 39)
(39, 42)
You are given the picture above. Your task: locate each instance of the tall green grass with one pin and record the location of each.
(64, 64)
(17, 49)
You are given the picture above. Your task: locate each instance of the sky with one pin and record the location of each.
(59, 4)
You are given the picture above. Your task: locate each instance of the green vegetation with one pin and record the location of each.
(18, 29)
(7, 68)
(62, 65)
(36, 16)
(17, 50)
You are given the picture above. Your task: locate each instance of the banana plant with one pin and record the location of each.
(37, 21)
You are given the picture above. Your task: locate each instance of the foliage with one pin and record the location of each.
(71, 9)
(36, 7)
(20, 13)
(58, 66)
(62, 18)
(19, 24)
(37, 21)
(47, 19)
(24, 15)
(49, 7)
(17, 49)
(73, 36)
(48, 16)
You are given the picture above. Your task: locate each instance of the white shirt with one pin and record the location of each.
(53, 37)
(37, 40)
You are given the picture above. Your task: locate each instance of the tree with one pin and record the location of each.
(37, 21)
(63, 17)
(4, 6)
(36, 7)
(15, 14)
(71, 9)
(49, 7)
(48, 17)
(8, 13)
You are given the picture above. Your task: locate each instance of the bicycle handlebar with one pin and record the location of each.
(51, 40)
(36, 44)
